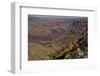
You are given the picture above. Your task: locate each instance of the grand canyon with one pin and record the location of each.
(57, 37)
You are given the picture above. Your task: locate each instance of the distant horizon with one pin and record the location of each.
(56, 16)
